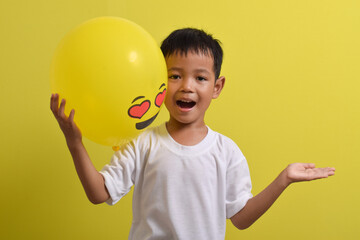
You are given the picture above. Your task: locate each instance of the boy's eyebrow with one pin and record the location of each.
(202, 70)
(197, 70)
(137, 98)
(174, 69)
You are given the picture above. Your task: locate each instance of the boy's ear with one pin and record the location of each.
(219, 85)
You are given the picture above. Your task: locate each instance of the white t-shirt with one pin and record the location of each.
(180, 192)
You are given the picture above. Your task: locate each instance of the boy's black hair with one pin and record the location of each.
(191, 39)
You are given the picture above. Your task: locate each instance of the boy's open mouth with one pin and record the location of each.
(185, 104)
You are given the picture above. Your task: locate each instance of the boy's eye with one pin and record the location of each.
(174, 76)
(201, 78)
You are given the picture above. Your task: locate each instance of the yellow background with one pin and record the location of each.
(292, 95)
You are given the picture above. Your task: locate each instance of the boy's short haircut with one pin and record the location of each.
(198, 41)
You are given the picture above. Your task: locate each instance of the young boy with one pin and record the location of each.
(187, 178)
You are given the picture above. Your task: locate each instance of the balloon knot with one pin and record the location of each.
(116, 148)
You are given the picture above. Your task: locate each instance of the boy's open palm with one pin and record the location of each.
(71, 131)
(298, 172)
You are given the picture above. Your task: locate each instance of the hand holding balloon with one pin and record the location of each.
(71, 132)
(113, 73)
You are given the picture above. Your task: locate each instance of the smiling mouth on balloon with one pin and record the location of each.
(144, 124)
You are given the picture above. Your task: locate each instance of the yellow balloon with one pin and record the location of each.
(112, 72)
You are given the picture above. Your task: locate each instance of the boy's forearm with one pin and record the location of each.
(259, 204)
(91, 180)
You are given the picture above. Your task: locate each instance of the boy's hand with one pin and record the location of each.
(298, 172)
(71, 131)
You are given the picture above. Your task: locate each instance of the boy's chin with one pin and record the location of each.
(182, 121)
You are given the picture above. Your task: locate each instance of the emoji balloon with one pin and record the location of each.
(112, 72)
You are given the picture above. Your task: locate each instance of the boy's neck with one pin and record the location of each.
(187, 134)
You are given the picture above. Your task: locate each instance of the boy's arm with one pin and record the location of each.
(259, 204)
(92, 181)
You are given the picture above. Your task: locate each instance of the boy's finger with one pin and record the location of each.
(71, 116)
(309, 165)
(61, 111)
(54, 103)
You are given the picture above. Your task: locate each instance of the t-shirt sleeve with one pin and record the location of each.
(238, 183)
(119, 174)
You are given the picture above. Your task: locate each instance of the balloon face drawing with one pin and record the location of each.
(140, 106)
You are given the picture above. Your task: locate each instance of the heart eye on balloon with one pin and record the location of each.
(139, 110)
(160, 98)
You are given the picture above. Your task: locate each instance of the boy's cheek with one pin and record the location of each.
(166, 102)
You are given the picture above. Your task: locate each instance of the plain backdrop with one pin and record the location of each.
(292, 95)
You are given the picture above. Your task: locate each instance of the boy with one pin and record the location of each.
(187, 178)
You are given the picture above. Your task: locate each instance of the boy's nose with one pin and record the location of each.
(187, 85)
